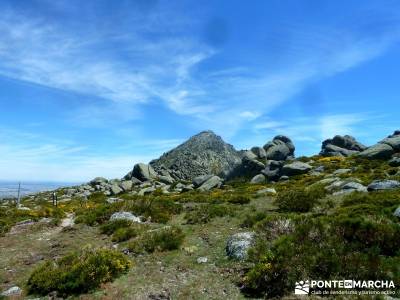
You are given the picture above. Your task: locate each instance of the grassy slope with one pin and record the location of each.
(175, 273)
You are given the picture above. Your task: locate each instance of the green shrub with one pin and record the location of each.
(239, 199)
(299, 199)
(323, 247)
(164, 239)
(122, 230)
(78, 272)
(11, 215)
(95, 215)
(110, 227)
(365, 235)
(126, 233)
(97, 197)
(251, 219)
(206, 212)
(194, 196)
(378, 201)
(157, 209)
(4, 227)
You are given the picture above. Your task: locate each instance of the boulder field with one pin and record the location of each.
(205, 161)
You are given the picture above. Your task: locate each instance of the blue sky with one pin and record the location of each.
(88, 88)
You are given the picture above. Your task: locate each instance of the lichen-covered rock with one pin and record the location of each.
(272, 170)
(115, 190)
(98, 181)
(341, 171)
(341, 146)
(125, 215)
(259, 152)
(199, 180)
(295, 168)
(394, 162)
(378, 151)
(126, 185)
(167, 179)
(213, 182)
(350, 187)
(393, 141)
(12, 291)
(383, 185)
(113, 200)
(280, 148)
(266, 191)
(146, 190)
(143, 172)
(238, 244)
(260, 178)
(385, 148)
(397, 212)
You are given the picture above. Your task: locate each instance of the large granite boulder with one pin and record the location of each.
(238, 244)
(213, 182)
(280, 148)
(341, 146)
(115, 189)
(125, 215)
(272, 170)
(258, 179)
(346, 186)
(378, 151)
(393, 141)
(386, 184)
(295, 168)
(126, 185)
(143, 172)
(259, 152)
(199, 180)
(12, 292)
(385, 148)
(249, 167)
(98, 181)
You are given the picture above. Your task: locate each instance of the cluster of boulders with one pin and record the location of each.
(385, 149)
(274, 161)
(205, 161)
(341, 146)
(339, 186)
(142, 180)
(388, 148)
(100, 184)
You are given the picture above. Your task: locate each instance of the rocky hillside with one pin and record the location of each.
(154, 236)
(204, 153)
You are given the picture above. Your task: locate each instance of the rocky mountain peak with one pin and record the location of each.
(203, 153)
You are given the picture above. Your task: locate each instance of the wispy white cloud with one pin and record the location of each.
(152, 59)
(164, 68)
(47, 54)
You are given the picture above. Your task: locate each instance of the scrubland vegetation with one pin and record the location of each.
(301, 232)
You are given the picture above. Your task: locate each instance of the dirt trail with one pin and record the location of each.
(68, 221)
